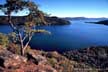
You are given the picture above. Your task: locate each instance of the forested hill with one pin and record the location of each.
(22, 19)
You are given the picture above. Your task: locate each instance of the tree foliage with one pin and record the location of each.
(26, 32)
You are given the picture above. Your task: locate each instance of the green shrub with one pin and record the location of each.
(14, 48)
(52, 61)
(4, 41)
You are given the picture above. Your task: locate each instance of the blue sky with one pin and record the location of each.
(73, 8)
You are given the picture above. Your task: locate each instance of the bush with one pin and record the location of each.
(14, 48)
(52, 61)
(4, 41)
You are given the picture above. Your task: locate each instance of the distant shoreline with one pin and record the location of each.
(20, 20)
(103, 22)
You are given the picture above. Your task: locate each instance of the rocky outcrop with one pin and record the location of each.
(38, 61)
(96, 57)
(8, 59)
(36, 57)
(62, 64)
(10, 62)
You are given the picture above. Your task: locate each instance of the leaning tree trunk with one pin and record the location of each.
(21, 42)
(24, 48)
(26, 45)
(14, 28)
(10, 22)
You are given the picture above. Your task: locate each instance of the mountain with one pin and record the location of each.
(82, 18)
(56, 21)
(75, 18)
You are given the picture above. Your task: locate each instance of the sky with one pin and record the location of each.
(72, 8)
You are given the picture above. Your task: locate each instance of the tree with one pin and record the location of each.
(27, 31)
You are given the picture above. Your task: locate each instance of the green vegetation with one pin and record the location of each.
(52, 61)
(4, 40)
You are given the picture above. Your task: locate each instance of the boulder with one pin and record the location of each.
(30, 67)
(36, 58)
(52, 54)
(8, 59)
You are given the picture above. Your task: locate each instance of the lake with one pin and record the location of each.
(68, 37)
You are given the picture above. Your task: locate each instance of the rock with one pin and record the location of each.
(36, 57)
(8, 59)
(10, 62)
(41, 61)
(1, 69)
(30, 67)
(15, 61)
(46, 68)
(52, 54)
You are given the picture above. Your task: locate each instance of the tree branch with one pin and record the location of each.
(25, 37)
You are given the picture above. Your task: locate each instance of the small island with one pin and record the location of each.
(57, 21)
(103, 22)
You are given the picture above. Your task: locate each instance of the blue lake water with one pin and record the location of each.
(67, 37)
